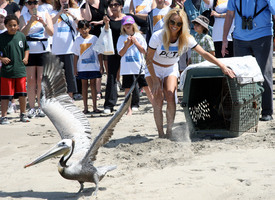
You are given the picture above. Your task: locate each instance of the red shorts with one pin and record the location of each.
(13, 87)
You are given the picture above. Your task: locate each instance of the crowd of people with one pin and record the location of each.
(154, 40)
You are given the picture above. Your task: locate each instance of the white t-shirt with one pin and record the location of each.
(88, 58)
(45, 7)
(217, 31)
(142, 6)
(158, 18)
(126, 6)
(171, 56)
(132, 60)
(37, 31)
(62, 36)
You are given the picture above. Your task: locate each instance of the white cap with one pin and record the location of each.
(3, 12)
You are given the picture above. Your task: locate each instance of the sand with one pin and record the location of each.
(147, 167)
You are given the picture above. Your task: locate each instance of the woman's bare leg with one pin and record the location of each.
(169, 88)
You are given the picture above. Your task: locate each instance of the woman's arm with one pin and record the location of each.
(48, 25)
(131, 8)
(86, 12)
(149, 61)
(106, 21)
(207, 56)
(55, 18)
(17, 14)
(25, 28)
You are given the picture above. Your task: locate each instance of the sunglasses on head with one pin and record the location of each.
(114, 5)
(178, 24)
(32, 2)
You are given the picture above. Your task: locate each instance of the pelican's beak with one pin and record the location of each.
(59, 149)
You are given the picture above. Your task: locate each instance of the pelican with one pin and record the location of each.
(78, 147)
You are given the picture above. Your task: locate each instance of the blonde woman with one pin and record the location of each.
(165, 48)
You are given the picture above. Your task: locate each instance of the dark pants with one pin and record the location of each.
(262, 49)
(218, 49)
(111, 88)
(68, 59)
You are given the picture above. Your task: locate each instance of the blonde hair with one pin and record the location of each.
(123, 32)
(184, 32)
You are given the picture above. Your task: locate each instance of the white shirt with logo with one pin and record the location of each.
(171, 56)
(132, 60)
(62, 36)
(88, 58)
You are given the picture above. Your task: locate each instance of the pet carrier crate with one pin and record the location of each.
(217, 106)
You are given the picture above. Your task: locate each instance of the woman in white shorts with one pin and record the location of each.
(165, 48)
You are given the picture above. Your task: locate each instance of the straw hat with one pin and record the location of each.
(202, 20)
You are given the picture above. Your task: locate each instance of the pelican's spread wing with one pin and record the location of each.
(69, 121)
(106, 133)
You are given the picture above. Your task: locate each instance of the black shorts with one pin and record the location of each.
(86, 75)
(128, 80)
(37, 59)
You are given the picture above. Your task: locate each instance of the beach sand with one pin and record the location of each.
(147, 167)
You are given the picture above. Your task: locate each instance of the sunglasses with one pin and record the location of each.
(114, 5)
(32, 2)
(173, 23)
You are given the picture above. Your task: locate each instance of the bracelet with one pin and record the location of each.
(74, 18)
(45, 25)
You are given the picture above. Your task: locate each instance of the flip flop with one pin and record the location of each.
(97, 111)
(86, 111)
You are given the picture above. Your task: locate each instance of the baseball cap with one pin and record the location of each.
(127, 20)
(3, 12)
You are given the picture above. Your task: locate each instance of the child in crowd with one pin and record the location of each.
(86, 63)
(131, 46)
(202, 38)
(15, 55)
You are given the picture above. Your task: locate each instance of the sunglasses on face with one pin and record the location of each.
(114, 5)
(32, 2)
(173, 23)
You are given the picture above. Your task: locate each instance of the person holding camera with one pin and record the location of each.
(253, 36)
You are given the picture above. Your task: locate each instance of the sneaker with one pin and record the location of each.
(77, 97)
(107, 111)
(135, 109)
(40, 113)
(4, 120)
(31, 113)
(24, 118)
(266, 118)
(12, 108)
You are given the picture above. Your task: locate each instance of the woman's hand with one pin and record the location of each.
(41, 20)
(95, 23)
(155, 87)
(106, 21)
(227, 71)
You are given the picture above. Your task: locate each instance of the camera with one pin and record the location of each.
(65, 6)
(247, 23)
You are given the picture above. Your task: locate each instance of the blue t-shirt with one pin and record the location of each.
(262, 24)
